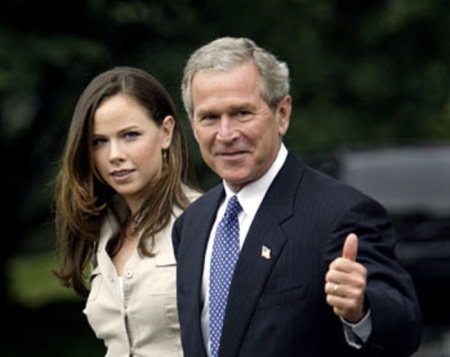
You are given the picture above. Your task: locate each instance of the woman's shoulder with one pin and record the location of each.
(191, 193)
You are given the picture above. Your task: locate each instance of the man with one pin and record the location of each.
(303, 283)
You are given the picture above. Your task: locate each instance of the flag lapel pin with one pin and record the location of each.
(265, 252)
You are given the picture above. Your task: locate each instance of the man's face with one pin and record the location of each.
(238, 134)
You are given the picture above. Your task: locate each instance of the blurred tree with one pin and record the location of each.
(45, 62)
(361, 71)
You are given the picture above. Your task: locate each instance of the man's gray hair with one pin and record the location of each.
(226, 53)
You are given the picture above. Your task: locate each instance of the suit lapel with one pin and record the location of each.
(191, 259)
(199, 234)
(262, 247)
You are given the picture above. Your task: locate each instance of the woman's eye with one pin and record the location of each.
(131, 134)
(98, 141)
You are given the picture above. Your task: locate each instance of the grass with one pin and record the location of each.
(32, 283)
(50, 316)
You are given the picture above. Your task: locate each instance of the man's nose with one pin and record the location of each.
(226, 130)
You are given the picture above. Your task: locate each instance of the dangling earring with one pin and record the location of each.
(165, 155)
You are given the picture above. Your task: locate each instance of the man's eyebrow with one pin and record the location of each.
(203, 112)
(243, 106)
(232, 108)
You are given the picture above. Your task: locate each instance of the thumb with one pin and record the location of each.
(350, 247)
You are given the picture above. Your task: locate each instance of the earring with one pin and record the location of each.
(165, 155)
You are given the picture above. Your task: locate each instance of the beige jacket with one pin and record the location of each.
(145, 321)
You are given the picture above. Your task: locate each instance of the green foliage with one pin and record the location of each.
(362, 71)
(32, 282)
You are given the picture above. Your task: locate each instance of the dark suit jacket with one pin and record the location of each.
(277, 306)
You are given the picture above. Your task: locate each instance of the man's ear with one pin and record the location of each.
(283, 114)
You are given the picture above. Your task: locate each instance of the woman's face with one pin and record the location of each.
(127, 146)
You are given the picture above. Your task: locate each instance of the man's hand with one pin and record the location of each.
(345, 283)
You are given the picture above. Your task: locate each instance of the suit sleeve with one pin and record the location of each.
(390, 292)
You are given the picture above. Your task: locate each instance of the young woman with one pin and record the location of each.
(125, 176)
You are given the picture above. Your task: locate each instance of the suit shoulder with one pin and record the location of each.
(337, 191)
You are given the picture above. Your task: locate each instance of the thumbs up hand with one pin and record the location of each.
(350, 247)
(345, 283)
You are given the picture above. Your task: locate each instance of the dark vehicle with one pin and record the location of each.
(413, 183)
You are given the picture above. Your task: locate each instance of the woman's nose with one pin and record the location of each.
(115, 153)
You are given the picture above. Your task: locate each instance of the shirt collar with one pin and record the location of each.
(251, 195)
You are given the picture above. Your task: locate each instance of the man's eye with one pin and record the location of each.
(208, 118)
(243, 113)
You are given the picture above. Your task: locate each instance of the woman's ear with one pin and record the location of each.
(167, 129)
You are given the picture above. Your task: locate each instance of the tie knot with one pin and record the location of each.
(233, 207)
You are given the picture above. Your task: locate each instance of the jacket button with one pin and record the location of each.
(129, 274)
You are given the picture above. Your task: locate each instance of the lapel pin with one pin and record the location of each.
(265, 252)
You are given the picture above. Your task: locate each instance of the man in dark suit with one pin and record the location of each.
(303, 284)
